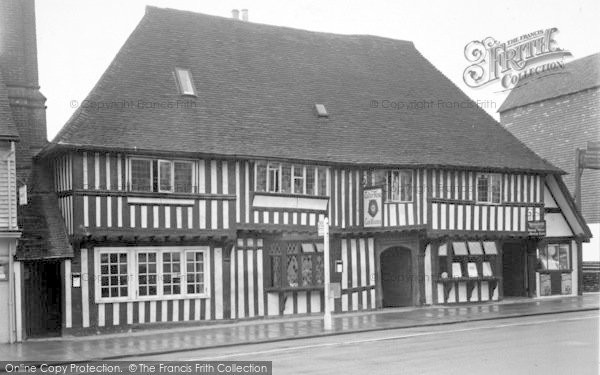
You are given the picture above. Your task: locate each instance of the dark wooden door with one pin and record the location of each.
(514, 269)
(396, 277)
(42, 299)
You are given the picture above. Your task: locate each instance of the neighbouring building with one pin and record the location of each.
(9, 232)
(193, 176)
(556, 113)
(32, 267)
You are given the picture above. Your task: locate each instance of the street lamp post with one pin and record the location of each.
(328, 320)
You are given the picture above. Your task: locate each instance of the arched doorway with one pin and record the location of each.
(396, 277)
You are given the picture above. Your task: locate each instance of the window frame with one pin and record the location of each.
(294, 178)
(319, 176)
(130, 174)
(388, 195)
(133, 273)
(178, 79)
(558, 244)
(193, 182)
(490, 190)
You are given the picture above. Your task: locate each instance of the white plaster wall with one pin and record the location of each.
(591, 250)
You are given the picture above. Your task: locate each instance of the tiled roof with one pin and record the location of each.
(257, 88)
(8, 130)
(44, 233)
(578, 75)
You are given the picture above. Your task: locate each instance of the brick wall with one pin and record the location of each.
(554, 129)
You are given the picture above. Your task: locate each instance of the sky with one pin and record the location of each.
(77, 39)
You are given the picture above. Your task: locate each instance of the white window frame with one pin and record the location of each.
(279, 173)
(293, 168)
(193, 181)
(388, 185)
(185, 74)
(130, 173)
(491, 177)
(294, 177)
(170, 163)
(132, 273)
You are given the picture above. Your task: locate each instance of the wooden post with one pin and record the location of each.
(578, 172)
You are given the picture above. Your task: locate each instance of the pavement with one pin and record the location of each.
(191, 338)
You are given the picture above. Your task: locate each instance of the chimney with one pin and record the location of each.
(235, 14)
(245, 15)
(19, 68)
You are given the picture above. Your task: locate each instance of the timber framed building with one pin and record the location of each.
(192, 180)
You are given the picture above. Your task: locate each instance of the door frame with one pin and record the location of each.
(57, 284)
(528, 266)
(409, 241)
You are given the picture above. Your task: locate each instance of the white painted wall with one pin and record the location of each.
(591, 250)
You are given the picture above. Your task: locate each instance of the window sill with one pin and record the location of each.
(554, 271)
(479, 278)
(294, 289)
(149, 299)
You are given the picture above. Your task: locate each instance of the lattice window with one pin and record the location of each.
(276, 271)
(319, 270)
(292, 270)
(171, 273)
(147, 274)
(194, 261)
(113, 275)
(307, 270)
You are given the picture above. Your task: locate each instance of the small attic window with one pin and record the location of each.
(321, 110)
(184, 81)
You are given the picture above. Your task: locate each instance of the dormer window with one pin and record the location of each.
(321, 110)
(184, 81)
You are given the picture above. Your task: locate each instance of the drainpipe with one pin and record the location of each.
(12, 331)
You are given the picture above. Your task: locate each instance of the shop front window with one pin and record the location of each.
(296, 265)
(554, 257)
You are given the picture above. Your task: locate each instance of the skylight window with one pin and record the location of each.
(321, 110)
(184, 80)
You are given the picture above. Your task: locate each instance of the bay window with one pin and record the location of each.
(133, 273)
(489, 188)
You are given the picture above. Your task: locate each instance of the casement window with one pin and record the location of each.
(151, 273)
(399, 186)
(321, 183)
(164, 176)
(296, 265)
(554, 257)
(113, 274)
(273, 181)
(141, 174)
(298, 179)
(489, 188)
(287, 178)
(184, 82)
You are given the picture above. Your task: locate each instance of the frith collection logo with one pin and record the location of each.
(508, 62)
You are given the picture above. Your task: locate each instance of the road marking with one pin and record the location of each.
(397, 337)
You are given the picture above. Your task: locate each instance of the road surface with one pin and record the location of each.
(564, 343)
